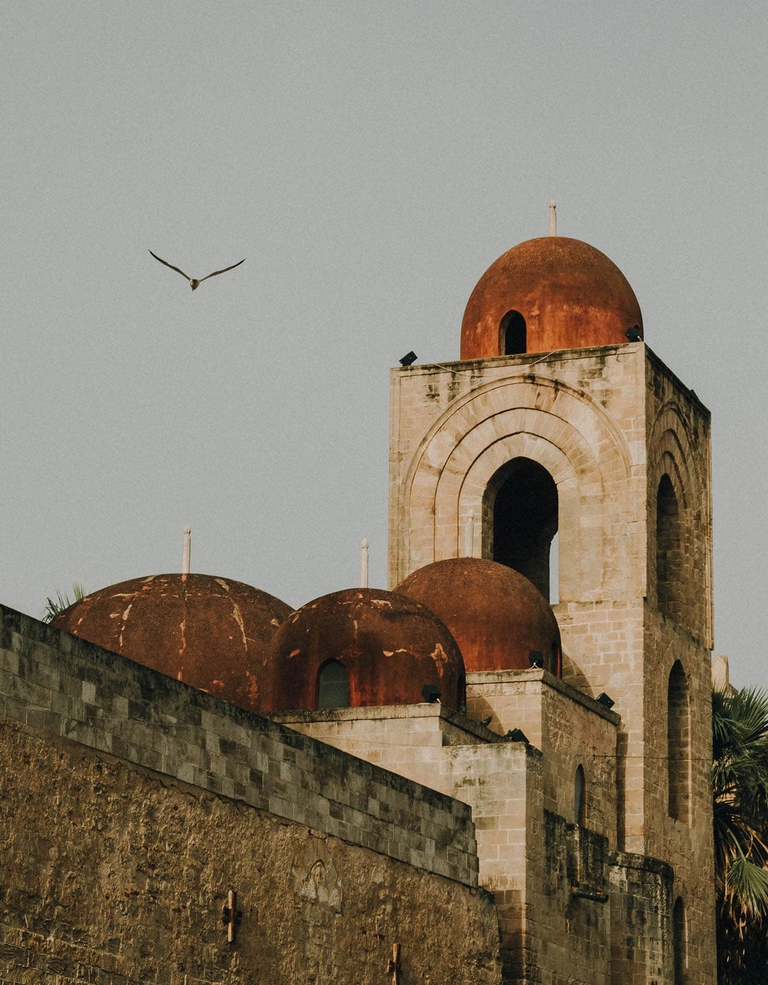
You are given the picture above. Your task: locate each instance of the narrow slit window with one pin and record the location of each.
(579, 797)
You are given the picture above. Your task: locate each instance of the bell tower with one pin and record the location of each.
(559, 425)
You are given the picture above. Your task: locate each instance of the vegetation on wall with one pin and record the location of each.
(740, 791)
(53, 606)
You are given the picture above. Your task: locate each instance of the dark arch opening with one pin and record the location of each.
(333, 685)
(669, 554)
(520, 510)
(512, 334)
(678, 744)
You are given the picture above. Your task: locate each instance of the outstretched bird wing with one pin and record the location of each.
(223, 271)
(172, 266)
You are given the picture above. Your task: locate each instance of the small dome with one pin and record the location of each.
(380, 649)
(546, 294)
(494, 613)
(212, 633)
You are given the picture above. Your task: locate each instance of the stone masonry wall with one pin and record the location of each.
(569, 728)
(78, 691)
(113, 874)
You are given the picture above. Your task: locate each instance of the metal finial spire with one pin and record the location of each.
(553, 218)
(364, 564)
(187, 557)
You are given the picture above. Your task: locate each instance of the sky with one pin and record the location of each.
(370, 161)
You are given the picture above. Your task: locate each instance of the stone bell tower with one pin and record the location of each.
(559, 425)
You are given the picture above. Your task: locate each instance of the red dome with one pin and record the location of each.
(389, 646)
(568, 294)
(212, 633)
(494, 613)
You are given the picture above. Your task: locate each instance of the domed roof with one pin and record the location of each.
(390, 648)
(494, 613)
(569, 294)
(212, 633)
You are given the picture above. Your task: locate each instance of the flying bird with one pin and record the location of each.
(193, 282)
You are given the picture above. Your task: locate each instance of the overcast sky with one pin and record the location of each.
(370, 160)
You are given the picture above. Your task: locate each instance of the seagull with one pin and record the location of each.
(193, 283)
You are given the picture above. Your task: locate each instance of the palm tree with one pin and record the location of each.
(740, 792)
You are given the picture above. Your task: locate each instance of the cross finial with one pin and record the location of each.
(395, 967)
(553, 218)
(231, 916)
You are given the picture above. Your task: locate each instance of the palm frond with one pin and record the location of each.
(749, 883)
(53, 606)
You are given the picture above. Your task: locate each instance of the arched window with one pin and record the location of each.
(520, 520)
(512, 334)
(678, 745)
(679, 943)
(332, 685)
(669, 551)
(579, 797)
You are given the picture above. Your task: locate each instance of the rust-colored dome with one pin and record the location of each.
(546, 294)
(389, 646)
(495, 614)
(212, 633)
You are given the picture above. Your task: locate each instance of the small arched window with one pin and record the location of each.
(679, 943)
(579, 797)
(512, 334)
(679, 745)
(333, 685)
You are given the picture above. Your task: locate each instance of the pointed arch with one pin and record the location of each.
(544, 420)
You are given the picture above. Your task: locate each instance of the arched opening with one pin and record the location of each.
(669, 553)
(579, 797)
(679, 943)
(520, 517)
(332, 685)
(678, 744)
(512, 334)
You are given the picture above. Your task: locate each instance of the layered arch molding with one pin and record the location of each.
(561, 429)
(680, 538)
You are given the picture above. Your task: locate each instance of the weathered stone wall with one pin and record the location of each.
(79, 691)
(571, 730)
(409, 740)
(113, 874)
(679, 445)
(641, 924)
(132, 803)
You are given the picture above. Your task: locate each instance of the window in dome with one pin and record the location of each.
(520, 520)
(333, 685)
(678, 744)
(512, 334)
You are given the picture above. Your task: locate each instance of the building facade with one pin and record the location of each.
(533, 775)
